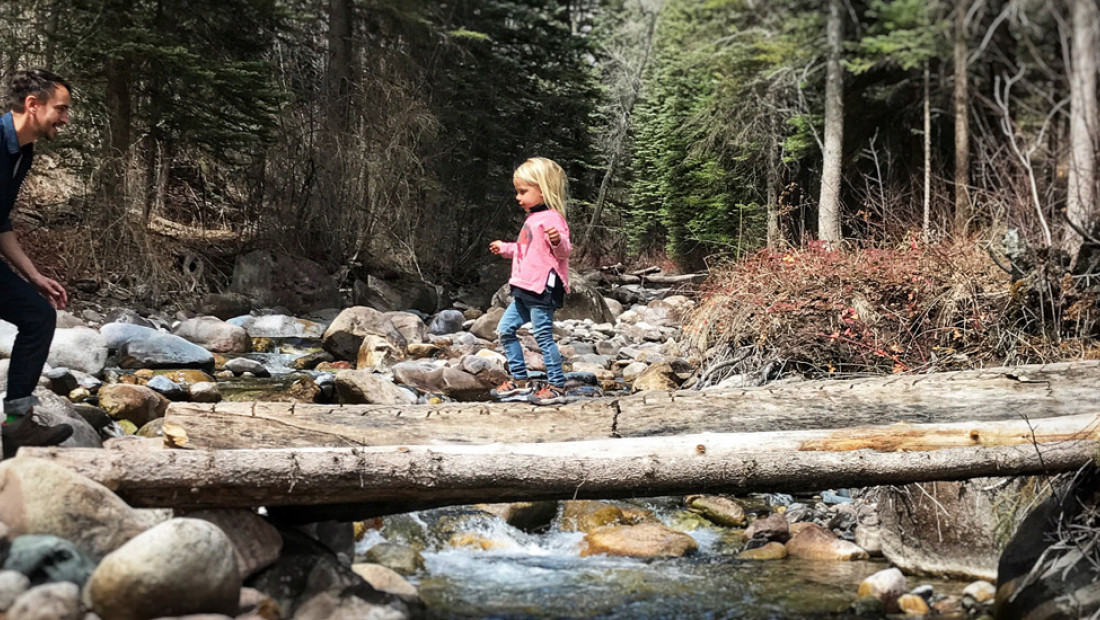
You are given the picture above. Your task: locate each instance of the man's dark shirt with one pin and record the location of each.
(14, 164)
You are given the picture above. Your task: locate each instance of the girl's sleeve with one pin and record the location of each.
(564, 247)
(508, 249)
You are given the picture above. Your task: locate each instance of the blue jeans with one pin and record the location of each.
(542, 323)
(21, 304)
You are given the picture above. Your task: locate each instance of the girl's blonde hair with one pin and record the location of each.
(550, 179)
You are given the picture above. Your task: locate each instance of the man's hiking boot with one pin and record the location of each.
(549, 395)
(30, 430)
(512, 389)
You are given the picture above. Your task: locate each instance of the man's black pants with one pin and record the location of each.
(23, 306)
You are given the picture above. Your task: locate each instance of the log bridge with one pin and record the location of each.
(327, 461)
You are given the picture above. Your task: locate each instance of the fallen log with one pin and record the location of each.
(690, 278)
(403, 477)
(1032, 392)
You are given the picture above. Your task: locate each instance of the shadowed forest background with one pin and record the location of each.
(948, 147)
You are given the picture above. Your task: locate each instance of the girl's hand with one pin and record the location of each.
(494, 247)
(553, 235)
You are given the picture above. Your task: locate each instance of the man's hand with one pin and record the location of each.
(52, 290)
(494, 247)
(553, 236)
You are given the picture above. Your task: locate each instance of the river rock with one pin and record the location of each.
(770, 551)
(213, 334)
(885, 585)
(205, 392)
(410, 326)
(256, 543)
(345, 335)
(62, 381)
(813, 542)
(332, 606)
(488, 370)
(136, 403)
(225, 305)
(12, 584)
(48, 559)
(661, 313)
(656, 377)
(401, 558)
(54, 409)
(912, 605)
(720, 510)
(446, 322)
(134, 582)
(913, 537)
(293, 282)
(397, 293)
(167, 388)
(584, 301)
(526, 516)
(388, 580)
(241, 365)
(278, 326)
(774, 527)
(587, 515)
(365, 387)
(78, 348)
(40, 497)
(647, 540)
(153, 349)
(485, 327)
(54, 601)
(378, 354)
(126, 315)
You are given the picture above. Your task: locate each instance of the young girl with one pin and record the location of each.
(540, 277)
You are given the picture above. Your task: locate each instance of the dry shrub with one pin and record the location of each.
(912, 308)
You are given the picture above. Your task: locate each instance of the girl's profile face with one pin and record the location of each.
(527, 194)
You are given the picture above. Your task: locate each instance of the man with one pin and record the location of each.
(39, 102)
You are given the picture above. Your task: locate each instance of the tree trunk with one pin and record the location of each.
(775, 232)
(962, 122)
(926, 227)
(338, 73)
(440, 474)
(828, 219)
(1081, 206)
(973, 396)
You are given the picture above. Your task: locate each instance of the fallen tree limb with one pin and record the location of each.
(692, 278)
(419, 475)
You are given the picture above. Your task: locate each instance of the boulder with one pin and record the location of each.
(720, 510)
(214, 334)
(136, 403)
(647, 540)
(205, 392)
(485, 327)
(398, 557)
(410, 326)
(40, 497)
(525, 516)
(345, 335)
(446, 322)
(813, 542)
(774, 527)
(366, 387)
(12, 584)
(387, 580)
(278, 326)
(770, 551)
(43, 558)
(54, 601)
(587, 515)
(134, 582)
(241, 365)
(126, 315)
(378, 354)
(295, 283)
(225, 305)
(78, 348)
(887, 586)
(656, 377)
(399, 293)
(256, 543)
(332, 606)
(141, 347)
(167, 388)
(56, 409)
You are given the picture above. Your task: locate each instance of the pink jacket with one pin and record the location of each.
(532, 255)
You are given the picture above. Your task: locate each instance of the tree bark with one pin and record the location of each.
(828, 219)
(962, 122)
(1081, 206)
(1034, 392)
(775, 238)
(926, 227)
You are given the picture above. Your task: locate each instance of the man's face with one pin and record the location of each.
(49, 115)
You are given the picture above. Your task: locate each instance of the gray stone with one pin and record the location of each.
(141, 347)
(345, 335)
(48, 559)
(409, 325)
(297, 283)
(225, 305)
(366, 387)
(214, 334)
(256, 543)
(241, 365)
(56, 409)
(400, 558)
(54, 601)
(62, 381)
(279, 326)
(125, 315)
(332, 606)
(78, 348)
(485, 327)
(167, 387)
(446, 322)
(205, 392)
(134, 582)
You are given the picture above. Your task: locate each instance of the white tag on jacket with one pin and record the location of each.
(551, 281)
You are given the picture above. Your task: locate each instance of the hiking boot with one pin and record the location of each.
(549, 395)
(30, 430)
(512, 389)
